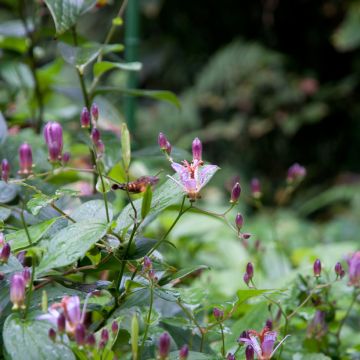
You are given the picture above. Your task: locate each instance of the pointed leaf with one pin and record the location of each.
(105, 66)
(146, 202)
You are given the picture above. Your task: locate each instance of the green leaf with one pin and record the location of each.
(14, 43)
(146, 202)
(164, 196)
(104, 66)
(193, 355)
(118, 21)
(246, 294)
(93, 209)
(29, 340)
(183, 273)
(65, 13)
(8, 192)
(13, 265)
(18, 240)
(71, 244)
(125, 146)
(103, 189)
(162, 95)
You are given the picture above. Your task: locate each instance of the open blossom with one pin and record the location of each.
(193, 176)
(354, 269)
(262, 343)
(69, 307)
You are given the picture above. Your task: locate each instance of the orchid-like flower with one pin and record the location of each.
(70, 308)
(262, 343)
(195, 175)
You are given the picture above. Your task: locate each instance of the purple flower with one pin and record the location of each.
(164, 346)
(17, 291)
(230, 356)
(250, 270)
(52, 334)
(235, 193)
(26, 275)
(80, 334)
(25, 159)
(162, 141)
(5, 170)
(66, 157)
(249, 353)
(91, 340)
(53, 135)
(317, 327)
(255, 188)
(147, 265)
(246, 279)
(5, 251)
(61, 323)
(295, 173)
(105, 335)
(339, 271)
(184, 352)
(95, 111)
(100, 148)
(317, 268)
(218, 314)
(114, 327)
(239, 221)
(354, 269)
(85, 118)
(95, 135)
(197, 149)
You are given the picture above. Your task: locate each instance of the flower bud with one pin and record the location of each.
(100, 148)
(317, 268)
(80, 334)
(162, 141)
(239, 221)
(2, 276)
(21, 256)
(26, 275)
(147, 265)
(102, 344)
(218, 314)
(197, 149)
(94, 111)
(95, 135)
(339, 271)
(5, 253)
(91, 340)
(184, 352)
(66, 157)
(250, 270)
(295, 173)
(5, 170)
(246, 236)
(354, 269)
(114, 327)
(105, 335)
(243, 335)
(17, 291)
(168, 148)
(53, 135)
(255, 188)
(269, 324)
(230, 356)
(249, 353)
(25, 159)
(235, 193)
(52, 334)
(61, 323)
(164, 346)
(85, 118)
(246, 279)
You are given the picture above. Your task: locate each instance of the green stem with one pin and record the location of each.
(342, 322)
(223, 340)
(103, 191)
(25, 227)
(62, 213)
(30, 291)
(147, 325)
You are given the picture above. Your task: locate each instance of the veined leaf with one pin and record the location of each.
(93, 209)
(105, 66)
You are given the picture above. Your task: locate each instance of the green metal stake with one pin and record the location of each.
(131, 54)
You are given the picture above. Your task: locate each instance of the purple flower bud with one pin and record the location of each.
(354, 269)
(296, 172)
(5, 170)
(102, 344)
(5, 253)
(114, 327)
(94, 111)
(91, 340)
(80, 334)
(318, 327)
(25, 159)
(218, 314)
(85, 118)
(243, 335)
(269, 324)
(249, 353)
(230, 356)
(317, 268)
(168, 148)
(66, 157)
(95, 135)
(339, 271)
(53, 135)
(100, 148)
(164, 345)
(21, 256)
(26, 275)
(197, 149)
(17, 291)
(105, 335)
(235, 193)
(239, 221)
(52, 334)
(184, 352)
(162, 141)
(147, 265)
(61, 323)
(255, 188)
(246, 236)
(250, 270)
(246, 279)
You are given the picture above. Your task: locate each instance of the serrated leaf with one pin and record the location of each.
(18, 239)
(29, 340)
(71, 244)
(146, 202)
(105, 66)
(93, 209)
(65, 13)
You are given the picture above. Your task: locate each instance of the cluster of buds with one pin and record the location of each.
(148, 269)
(25, 159)
(5, 170)
(97, 142)
(164, 144)
(53, 135)
(255, 187)
(295, 174)
(87, 116)
(5, 250)
(249, 273)
(18, 284)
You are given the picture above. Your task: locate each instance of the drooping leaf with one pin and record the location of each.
(18, 239)
(93, 209)
(65, 13)
(71, 244)
(105, 66)
(146, 202)
(29, 340)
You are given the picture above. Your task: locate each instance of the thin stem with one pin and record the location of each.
(147, 325)
(103, 191)
(31, 288)
(342, 322)
(223, 339)
(25, 226)
(62, 213)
